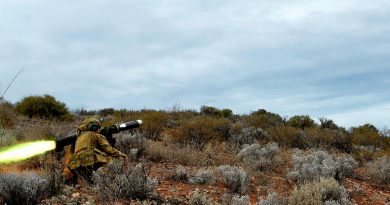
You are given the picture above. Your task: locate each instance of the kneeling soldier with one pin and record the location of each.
(92, 150)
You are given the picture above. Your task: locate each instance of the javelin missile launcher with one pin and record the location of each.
(107, 131)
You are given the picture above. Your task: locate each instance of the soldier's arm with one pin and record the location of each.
(107, 148)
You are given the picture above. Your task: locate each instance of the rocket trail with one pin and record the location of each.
(24, 151)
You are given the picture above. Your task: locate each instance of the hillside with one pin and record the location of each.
(207, 157)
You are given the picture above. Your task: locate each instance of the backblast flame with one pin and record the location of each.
(24, 151)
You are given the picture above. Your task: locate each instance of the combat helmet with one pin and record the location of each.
(89, 124)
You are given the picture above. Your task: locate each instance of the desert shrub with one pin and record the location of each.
(273, 199)
(319, 164)
(133, 145)
(215, 112)
(327, 138)
(260, 157)
(53, 173)
(379, 170)
(366, 135)
(288, 136)
(219, 153)
(7, 137)
(328, 124)
(106, 111)
(7, 115)
(23, 188)
(365, 153)
(324, 191)
(84, 112)
(179, 174)
(45, 106)
(201, 130)
(203, 176)
(118, 183)
(173, 153)
(226, 113)
(33, 133)
(154, 123)
(240, 200)
(200, 198)
(248, 135)
(264, 119)
(235, 178)
(301, 122)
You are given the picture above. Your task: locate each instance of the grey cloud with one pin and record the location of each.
(323, 58)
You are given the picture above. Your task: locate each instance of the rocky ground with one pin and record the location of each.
(178, 192)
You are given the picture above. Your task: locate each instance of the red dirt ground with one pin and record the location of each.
(361, 192)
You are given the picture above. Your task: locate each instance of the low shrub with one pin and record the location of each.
(7, 137)
(106, 111)
(154, 123)
(264, 119)
(301, 122)
(53, 173)
(328, 124)
(273, 199)
(198, 197)
(365, 153)
(327, 139)
(248, 135)
(366, 135)
(235, 178)
(319, 164)
(133, 145)
(261, 158)
(180, 174)
(174, 153)
(23, 188)
(324, 191)
(288, 136)
(117, 183)
(203, 176)
(201, 130)
(215, 112)
(7, 115)
(379, 170)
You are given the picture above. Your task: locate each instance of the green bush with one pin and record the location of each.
(212, 111)
(366, 135)
(328, 124)
(301, 121)
(263, 119)
(45, 106)
(106, 111)
(203, 129)
(288, 136)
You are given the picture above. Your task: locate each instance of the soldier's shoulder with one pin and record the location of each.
(99, 135)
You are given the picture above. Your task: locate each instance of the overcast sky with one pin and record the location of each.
(323, 58)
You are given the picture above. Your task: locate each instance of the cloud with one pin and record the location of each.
(322, 58)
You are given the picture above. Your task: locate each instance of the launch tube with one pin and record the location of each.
(107, 131)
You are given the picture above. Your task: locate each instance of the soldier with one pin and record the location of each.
(92, 151)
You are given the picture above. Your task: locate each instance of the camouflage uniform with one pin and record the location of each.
(92, 151)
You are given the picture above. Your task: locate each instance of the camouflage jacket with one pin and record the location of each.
(92, 148)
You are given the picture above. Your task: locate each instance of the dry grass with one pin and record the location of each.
(176, 154)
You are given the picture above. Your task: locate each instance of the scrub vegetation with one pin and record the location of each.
(210, 156)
